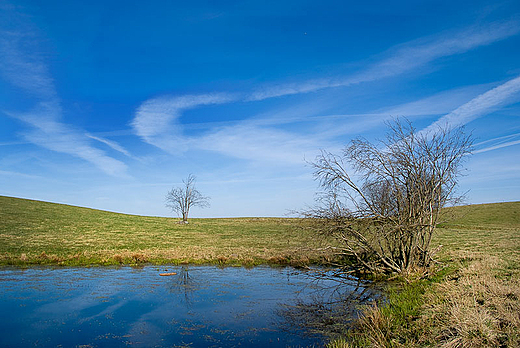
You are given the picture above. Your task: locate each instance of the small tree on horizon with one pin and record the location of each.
(182, 199)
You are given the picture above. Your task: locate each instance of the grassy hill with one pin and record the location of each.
(35, 232)
(491, 228)
(484, 216)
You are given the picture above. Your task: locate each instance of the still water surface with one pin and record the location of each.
(200, 306)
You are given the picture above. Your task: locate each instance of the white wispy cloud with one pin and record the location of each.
(279, 90)
(479, 106)
(403, 58)
(23, 175)
(502, 138)
(21, 64)
(438, 104)
(46, 132)
(419, 52)
(265, 136)
(498, 143)
(24, 71)
(156, 119)
(260, 144)
(257, 139)
(499, 146)
(112, 144)
(155, 116)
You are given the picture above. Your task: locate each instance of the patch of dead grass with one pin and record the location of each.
(476, 307)
(376, 326)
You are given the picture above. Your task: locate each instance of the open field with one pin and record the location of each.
(473, 298)
(34, 232)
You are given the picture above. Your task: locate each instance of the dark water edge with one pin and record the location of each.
(200, 306)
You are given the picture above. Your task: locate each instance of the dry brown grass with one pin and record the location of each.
(476, 307)
(377, 326)
(472, 301)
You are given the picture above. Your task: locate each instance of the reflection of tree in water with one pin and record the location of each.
(184, 284)
(331, 306)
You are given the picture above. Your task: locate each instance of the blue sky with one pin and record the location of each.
(108, 104)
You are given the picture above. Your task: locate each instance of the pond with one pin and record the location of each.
(198, 306)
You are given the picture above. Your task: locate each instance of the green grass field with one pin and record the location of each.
(34, 232)
(493, 229)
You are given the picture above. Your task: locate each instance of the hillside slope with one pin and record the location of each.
(492, 215)
(35, 232)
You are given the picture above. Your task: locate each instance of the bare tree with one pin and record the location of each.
(382, 201)
(182, 199)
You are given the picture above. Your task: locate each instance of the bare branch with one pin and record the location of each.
(382, 201)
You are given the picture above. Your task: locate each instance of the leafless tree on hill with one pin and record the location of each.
(182, 199)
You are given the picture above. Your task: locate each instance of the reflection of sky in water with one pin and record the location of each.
(199, 307)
